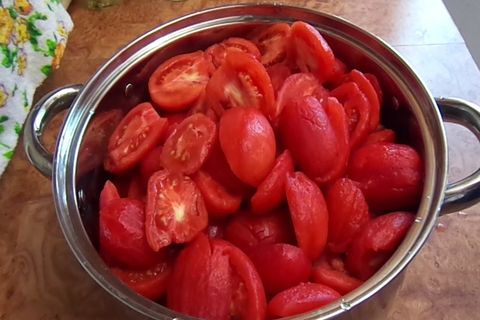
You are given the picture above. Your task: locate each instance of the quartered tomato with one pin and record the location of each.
(151, 283)
(309, 214)
(247, 231)
(310, 51)
(271, 192)
(122, 235)
(301, 298)
(376, 242)
(187, 148)
(248, 142)
(390, 175)
(175, 211)
(109, 193)
(219, 51)
(241, 81)
(272, 43)
(135, 136)
(178, 82)
(212, 279)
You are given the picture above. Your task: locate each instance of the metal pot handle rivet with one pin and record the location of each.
(38, 118)
(466, 192)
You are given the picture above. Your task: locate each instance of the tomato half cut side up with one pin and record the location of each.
(310, 51)
(151, 283)
(177, 83)
(138, 133)
(241, 81)
(309, 214)
(219, 51)
(175, 210)
(272, 43)
(187, 148)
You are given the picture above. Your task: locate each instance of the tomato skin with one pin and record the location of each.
(138, 133)
(272, 43)
(339, 73)
(241, 81)
(122, 236)
(177, 83)
(376, 242)
(308, 133)
(348, 212)
(271, 191)
(301, 298)
(175, 210)
(280, 266)
(278, 74)
(214, 280)
(218, 201)
(310, 51)
(370, 93)
(187, 148)
(337, 280)
(151, 163)
(248, 142)
(376, 85)
(219, 51)
(390, 176)
(309, 214)
(151, 284)
(108, 194)
(246, 231)
(383, 135)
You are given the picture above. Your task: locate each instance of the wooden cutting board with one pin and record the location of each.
(39, 277)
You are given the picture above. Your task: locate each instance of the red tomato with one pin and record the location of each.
(280, 266)
(219, 51)
(151, 163)
(214, 280)
(339, 281)
(278, 74)
(390, 175)
(272, 43)
(187, 148)
(271, 192)
(135, 136)
(348, 212)
(309, 214)
(175, 210)
(310, 136)
(136, 188)
(218, 201)
(376, 242)
(376, 85)
(122, 235)
(173, 120)
(339, 73)
(357, 109)
(151, 284)
(246, 231)
(370, 93)
(296, 85)
(301, 298)
(248, 142)
(241, 81)
(108, 194)
(383, 135)
(310, 51)
(178, 82)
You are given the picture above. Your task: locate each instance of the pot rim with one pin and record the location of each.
(423, 107)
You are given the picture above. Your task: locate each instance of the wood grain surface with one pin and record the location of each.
(40, 278)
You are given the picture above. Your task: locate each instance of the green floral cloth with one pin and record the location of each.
(33, 35)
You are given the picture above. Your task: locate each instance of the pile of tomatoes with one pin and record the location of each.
(257, 182)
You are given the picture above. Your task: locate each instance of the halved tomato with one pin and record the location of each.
(175, 210)
(370, 93)
(177, 83)
(379, 136)
(241, 81)
(219, 51)
(278, 73)
(339, 280)
(187, 148)
(272, 43)
(135, 136)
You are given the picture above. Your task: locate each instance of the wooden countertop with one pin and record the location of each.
(40, 278)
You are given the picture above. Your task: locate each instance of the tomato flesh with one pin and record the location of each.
(272, 43)
(219, 51)
(109, 193)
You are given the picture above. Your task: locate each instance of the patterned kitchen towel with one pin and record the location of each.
(33, 35)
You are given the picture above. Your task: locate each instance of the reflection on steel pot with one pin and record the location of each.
(78, 176)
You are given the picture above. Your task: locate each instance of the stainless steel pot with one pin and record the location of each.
(121, 82)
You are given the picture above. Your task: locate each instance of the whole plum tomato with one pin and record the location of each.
(390, 176)
(376, 242)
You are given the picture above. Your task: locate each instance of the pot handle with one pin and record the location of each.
(39, 116)
(466, 192)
